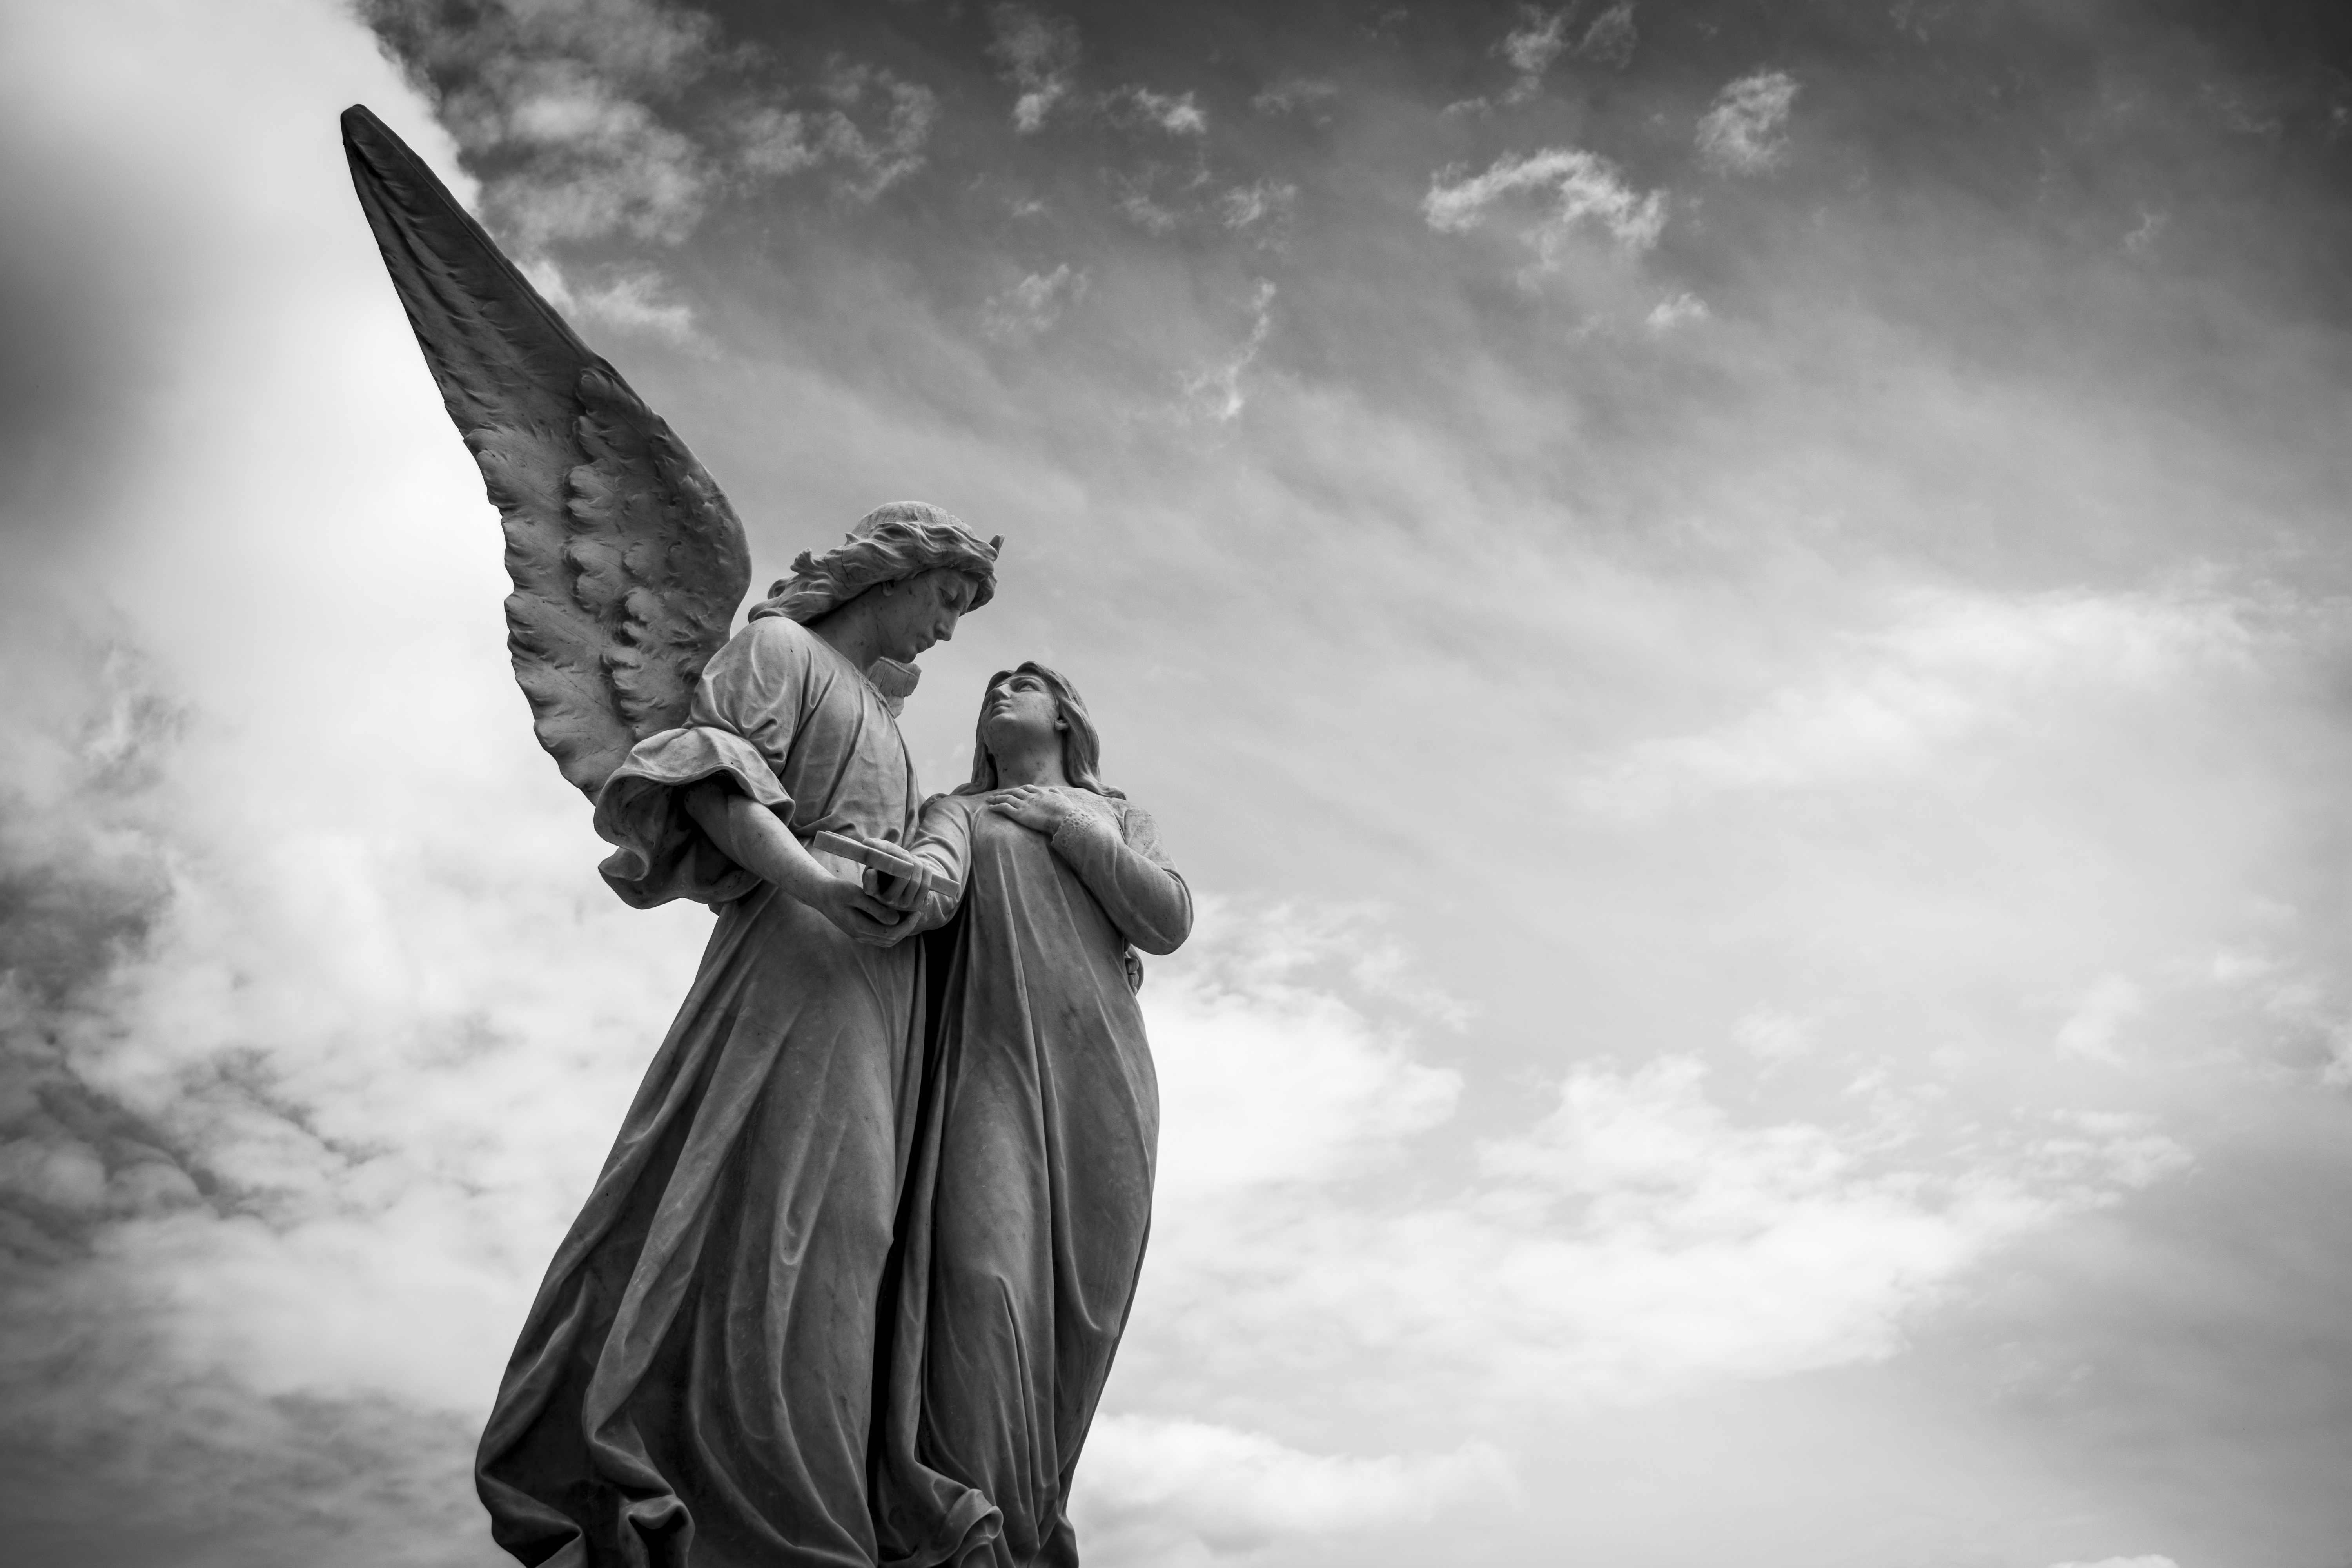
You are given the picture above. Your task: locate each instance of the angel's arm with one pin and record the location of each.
(750, 835)
(747, 710)
(942, 843)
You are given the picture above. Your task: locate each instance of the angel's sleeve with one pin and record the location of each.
(746, 705)
(1130, 875)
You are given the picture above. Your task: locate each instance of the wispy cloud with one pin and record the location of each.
(1948, 664)
(1177, 114)
(1612, 38)
(1636, 1241)
(1169, 1492)
(1682, 309)
(875, 157)
(630, 116)
(1741, 132)
(1040, 56)
(1580, 190)
(634, 301)
(1034, 304)
(770, 140)
(2092, 1028)
(1294, 95)
(1542, 37)
(596, 161)
(1137, 203)
(1215, 393)
(1531, 47)
(1261, 203)
(1773, 1035)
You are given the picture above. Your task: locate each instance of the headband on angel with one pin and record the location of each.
(889, 545)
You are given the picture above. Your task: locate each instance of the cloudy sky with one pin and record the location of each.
(1741, 615)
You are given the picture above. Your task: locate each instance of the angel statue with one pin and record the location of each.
(695, 1380)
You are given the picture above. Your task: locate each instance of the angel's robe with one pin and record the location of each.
(696, 1378)
(1030, 1197)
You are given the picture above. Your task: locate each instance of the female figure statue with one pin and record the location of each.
(696, 1379)
(1023, 1226)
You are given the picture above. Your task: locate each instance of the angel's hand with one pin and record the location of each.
(897, 892)
(1040, 806)
(859, 914)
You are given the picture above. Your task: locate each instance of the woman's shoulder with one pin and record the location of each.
(1136, 825)
(960, 800)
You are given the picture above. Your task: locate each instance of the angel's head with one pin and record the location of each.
(1032, 708)
(913, 613)
(915, 566)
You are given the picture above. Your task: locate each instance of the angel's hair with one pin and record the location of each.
(889, 545)
(1081, 743)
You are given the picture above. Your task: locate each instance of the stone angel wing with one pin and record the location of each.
(628, 564)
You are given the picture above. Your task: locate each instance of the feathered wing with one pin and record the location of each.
(628, 564)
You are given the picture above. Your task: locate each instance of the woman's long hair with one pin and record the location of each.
(1081, 743)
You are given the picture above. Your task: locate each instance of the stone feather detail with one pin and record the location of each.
(628, 564)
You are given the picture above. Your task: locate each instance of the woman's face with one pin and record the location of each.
(1020, 714)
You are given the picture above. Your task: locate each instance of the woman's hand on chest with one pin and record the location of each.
(1046, 808)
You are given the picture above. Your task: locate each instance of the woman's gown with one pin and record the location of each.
(1026, 1209)
(697, 1372)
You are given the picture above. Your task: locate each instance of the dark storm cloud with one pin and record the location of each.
(92, 850)
(115, 1449)
(83, 881)
(212, 1476)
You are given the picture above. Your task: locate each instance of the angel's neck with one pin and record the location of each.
(852, 635)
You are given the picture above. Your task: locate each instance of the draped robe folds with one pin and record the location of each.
(1023, 1228)
(695, 1380)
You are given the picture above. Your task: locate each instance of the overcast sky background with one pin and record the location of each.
(1737, 612)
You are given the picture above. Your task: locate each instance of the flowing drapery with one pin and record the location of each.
(696, 1379)
(1027, 1206)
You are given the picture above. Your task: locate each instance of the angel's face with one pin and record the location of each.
(923, 610)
